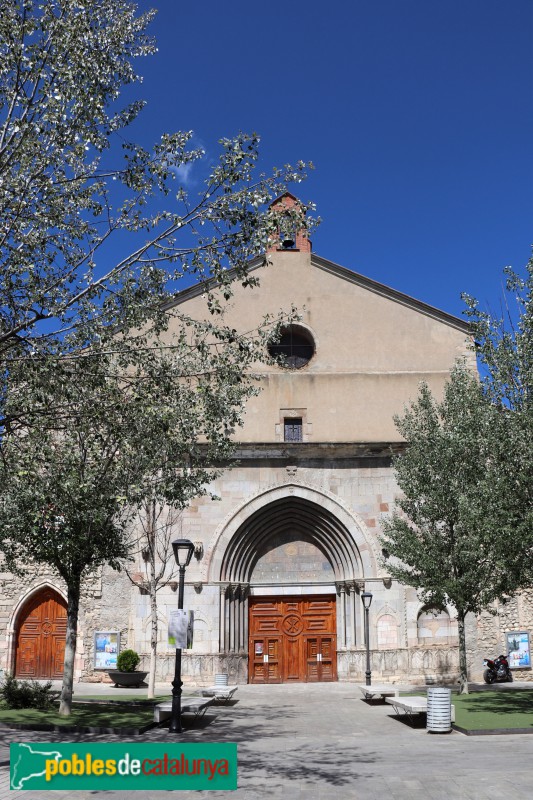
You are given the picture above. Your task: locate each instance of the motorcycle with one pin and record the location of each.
(497, 670)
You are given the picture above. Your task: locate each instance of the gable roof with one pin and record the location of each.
(344, 274)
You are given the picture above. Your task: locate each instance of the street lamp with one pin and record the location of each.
(183, 550)
(366, 598)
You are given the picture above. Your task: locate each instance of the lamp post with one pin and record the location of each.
(183, 550)
(366, 598)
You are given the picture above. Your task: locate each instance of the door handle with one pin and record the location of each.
(265, 659)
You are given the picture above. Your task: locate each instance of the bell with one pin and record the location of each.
(287, 243)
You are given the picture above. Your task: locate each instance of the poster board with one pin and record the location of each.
(106, 649)
(517, 645)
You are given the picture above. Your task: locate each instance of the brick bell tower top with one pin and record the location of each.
(292, 232)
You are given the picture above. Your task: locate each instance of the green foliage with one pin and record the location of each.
(463, 529)
(27, 694)
(110, 394)
(450, 535)
(128, 661)
(95, 230)
(448, 531)
(504, 347)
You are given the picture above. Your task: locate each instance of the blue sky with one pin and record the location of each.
(417, 114)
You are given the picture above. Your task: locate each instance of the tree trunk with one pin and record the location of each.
(463, 669)
(153, 637)
(152, 549)
(73, 604)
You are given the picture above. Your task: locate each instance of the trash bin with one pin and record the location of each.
(439, 711)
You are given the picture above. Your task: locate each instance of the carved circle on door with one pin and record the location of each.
(292, 625)
(46, 628)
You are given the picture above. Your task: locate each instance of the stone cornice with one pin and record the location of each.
(291, 453)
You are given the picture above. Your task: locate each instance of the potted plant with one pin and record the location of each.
(126, 674)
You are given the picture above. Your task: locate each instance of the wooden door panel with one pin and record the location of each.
(40, 637)
(292, 648)
(58, 657)
(311, 659)
(328, 660)
(267, 626)
(291, 605)
(303, 630)
(27, 656)
(318, 625)
(319, 605)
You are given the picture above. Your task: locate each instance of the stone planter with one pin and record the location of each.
(126, 678)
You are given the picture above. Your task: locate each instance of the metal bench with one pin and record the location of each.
(378, 690)
(189, 705)
(411, 706)
(224, 693)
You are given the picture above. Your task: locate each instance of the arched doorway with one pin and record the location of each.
(40, 636)
(289, 580)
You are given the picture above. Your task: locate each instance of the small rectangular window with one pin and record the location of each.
(293, 430)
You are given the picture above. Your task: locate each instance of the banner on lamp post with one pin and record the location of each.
(180, 629)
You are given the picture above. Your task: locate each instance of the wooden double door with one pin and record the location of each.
(292, 639)
(41, 633)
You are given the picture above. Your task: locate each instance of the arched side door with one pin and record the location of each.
(40, 636)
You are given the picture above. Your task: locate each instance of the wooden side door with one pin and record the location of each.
(265, 644)
(41, 632)
(320, 659)
(266, 659)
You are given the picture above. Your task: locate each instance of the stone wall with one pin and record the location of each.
(363, 490)
(514, 615)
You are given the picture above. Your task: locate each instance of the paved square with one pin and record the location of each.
(323, 742)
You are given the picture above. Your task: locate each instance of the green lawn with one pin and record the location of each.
(90, 715)
(490, 710)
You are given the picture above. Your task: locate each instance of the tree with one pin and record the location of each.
(101, 407)
(449, 535)
(95, 231)
(111, 442)
(152, 538)
(504, 346)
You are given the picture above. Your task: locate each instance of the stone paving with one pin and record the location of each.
(323, 742)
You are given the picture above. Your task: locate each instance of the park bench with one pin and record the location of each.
(411, 706)
(378, 690)
(189, 705)
(224, 693)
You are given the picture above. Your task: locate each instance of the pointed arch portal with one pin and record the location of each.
(40, 632)
(289, 575)
(286, 518)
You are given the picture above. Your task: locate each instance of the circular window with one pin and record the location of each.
(294, 349)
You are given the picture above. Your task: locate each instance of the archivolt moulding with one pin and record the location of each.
(328, 503)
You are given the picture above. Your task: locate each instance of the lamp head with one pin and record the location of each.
(183, 550)
(366, 598)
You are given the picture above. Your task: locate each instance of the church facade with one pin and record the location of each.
(285, 553)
